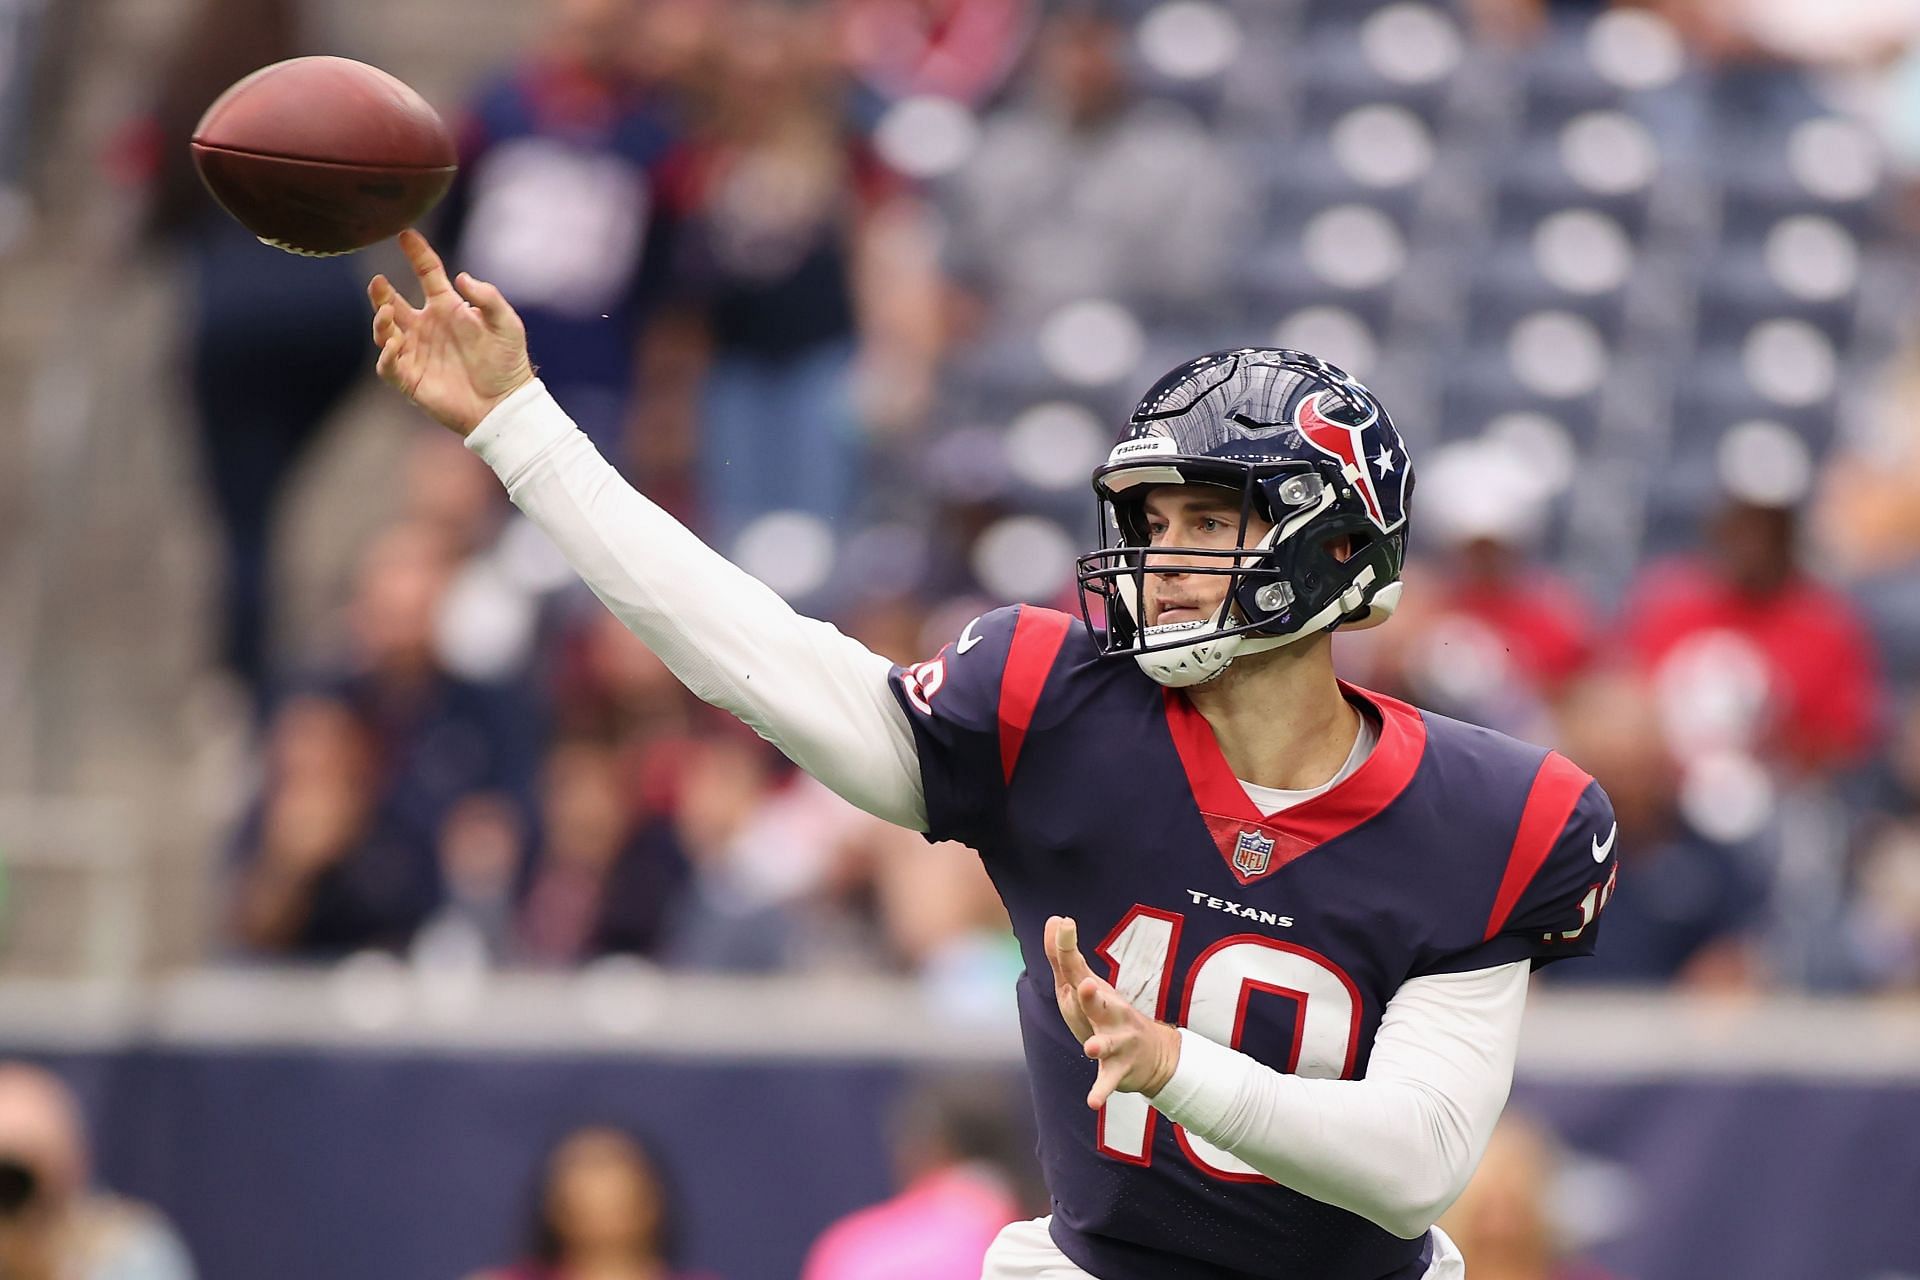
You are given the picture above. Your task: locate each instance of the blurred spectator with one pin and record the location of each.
(1867, 517)
(961, 50)
(673, 41)
(53, 1226)
(439, 737)
(944, 921)
(607, 684)
(607, 873)
(962, 1157)
(1747, 651)
(784, 871)
(601, 1212)
(566, 200)
(326, 867)
(1509, 22)
(1487, 632)
(1687, 906)
(20, 145)
(274, 341)
(446, 487)
(729, 918)
(479, 863)
(785, 200)
(1882, 929)
(337, 851)
(1504, 1222)
(1084, 190)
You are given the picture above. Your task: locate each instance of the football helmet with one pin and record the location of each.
(1307, 449)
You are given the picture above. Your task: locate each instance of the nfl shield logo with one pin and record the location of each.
(1252, 852)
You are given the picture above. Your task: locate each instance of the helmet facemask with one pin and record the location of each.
(1286, 585)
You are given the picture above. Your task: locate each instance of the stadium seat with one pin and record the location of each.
(1509, 284)
(1738, 292)
(1480, 387)
(1537, 181)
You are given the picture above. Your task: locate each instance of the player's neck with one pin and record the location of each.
(1280, 718)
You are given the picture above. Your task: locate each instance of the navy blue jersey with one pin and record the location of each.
(1093, 792)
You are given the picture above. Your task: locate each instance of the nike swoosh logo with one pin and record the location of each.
(1600, 851)
(967, 638)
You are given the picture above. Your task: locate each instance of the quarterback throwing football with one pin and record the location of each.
(1278, 929)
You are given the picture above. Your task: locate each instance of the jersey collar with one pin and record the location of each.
(1255, 846)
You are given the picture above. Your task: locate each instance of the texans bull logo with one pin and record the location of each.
(1365, 467)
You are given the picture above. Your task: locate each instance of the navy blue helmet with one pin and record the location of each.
(1307, 449)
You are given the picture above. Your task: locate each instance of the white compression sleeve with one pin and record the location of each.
(818, 695)
(1396, 1147)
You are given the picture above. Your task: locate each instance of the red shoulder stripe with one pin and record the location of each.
(1556, 789)
(1037, 637)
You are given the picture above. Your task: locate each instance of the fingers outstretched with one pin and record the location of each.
(388, 365)
(1106, 1082)
(426, 264)
(390, 320)
(384, 297)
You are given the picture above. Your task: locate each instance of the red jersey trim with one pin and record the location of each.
(1037, 637)
(1557, 788)
(1239, 830)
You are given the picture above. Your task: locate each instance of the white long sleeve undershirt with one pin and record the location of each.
(818, 695)
(1395, 1147)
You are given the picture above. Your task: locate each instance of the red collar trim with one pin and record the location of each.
(1255, 846)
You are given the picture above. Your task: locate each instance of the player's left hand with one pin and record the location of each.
(1136, 1054)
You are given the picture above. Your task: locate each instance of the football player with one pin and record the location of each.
(1278, 929)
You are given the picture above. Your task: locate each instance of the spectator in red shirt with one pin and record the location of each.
(1747, 651)
(958, 49)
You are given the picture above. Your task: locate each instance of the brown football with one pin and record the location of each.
(323, 155)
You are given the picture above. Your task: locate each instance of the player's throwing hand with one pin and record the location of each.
(457, 356)
(1136, 1054)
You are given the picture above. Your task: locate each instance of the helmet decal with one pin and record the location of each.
(1359, 456)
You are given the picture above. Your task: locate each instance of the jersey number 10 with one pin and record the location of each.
(1221, 984)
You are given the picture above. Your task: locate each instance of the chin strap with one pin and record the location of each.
(1206, 658)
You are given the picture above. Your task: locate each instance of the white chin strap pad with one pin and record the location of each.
(1190, 664)
(1209, 654)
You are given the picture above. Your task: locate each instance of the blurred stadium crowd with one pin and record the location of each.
(863, 289)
